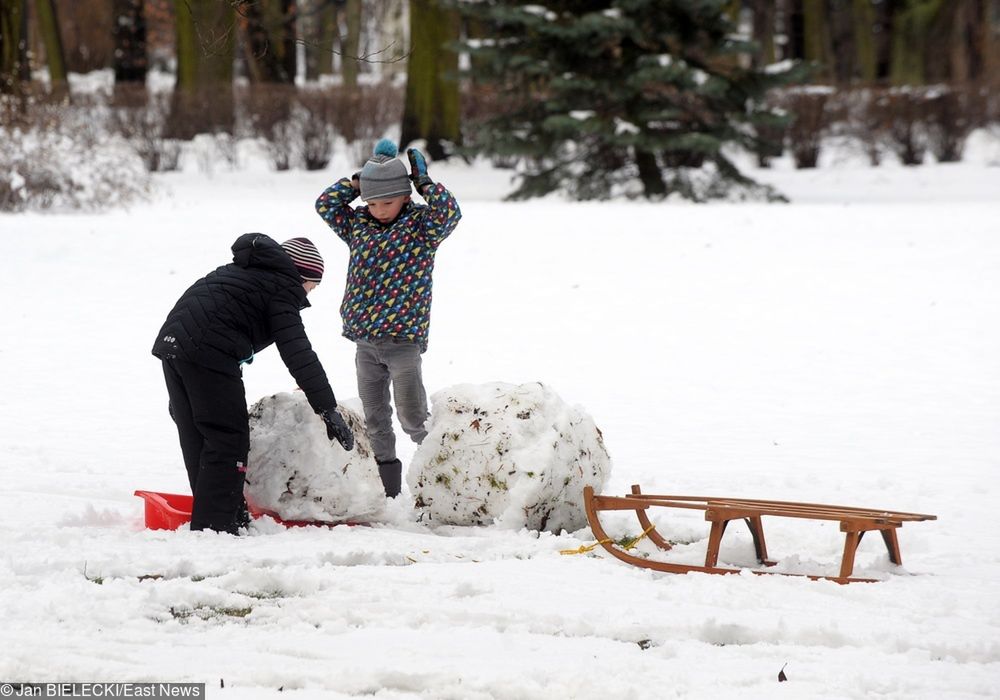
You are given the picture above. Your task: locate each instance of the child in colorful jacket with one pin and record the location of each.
(387, 299)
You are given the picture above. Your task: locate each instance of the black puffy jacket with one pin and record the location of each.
(226, 317)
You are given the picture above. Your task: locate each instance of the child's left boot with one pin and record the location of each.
(391, 473)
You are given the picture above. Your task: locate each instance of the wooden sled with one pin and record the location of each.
(854, 522)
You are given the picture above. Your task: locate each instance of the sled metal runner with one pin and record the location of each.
(854, 523)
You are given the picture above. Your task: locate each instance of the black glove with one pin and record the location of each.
(418, 169)
(356, 181)
(336, 428)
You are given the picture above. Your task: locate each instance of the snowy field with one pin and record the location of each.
(843, 349)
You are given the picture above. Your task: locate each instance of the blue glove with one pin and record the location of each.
(418, 169)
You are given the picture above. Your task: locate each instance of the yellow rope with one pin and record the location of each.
(637, 540)
(583, 549)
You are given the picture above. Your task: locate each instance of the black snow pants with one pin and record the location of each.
(210, 411)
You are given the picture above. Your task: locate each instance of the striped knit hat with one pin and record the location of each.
(307, 259)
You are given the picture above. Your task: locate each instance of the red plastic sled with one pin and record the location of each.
(168, 511)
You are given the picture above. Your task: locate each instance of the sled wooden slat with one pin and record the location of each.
(854, 523)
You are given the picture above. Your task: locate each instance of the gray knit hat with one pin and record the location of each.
(384, 175)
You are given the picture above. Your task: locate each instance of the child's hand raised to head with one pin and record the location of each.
(418, 169)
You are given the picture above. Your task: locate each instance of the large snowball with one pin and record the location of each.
(297, 473)
(517, 455)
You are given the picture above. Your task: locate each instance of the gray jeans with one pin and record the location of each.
(379, 362)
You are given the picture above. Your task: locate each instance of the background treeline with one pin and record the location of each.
(882, 42)
(907, 77)
(871, 42)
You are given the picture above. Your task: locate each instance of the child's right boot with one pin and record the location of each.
(391, 473)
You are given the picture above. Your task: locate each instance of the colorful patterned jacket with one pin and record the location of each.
(388, 290)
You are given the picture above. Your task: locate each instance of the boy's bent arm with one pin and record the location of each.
(442, 214)
(297, 353)
(334, 206)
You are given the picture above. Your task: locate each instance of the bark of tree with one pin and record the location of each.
(763, 31)
(318, 26)
(203, 95)
(12, 46)
(885, 23)
(816, 38)
(912, 29)
(129, 30)
(350, 43)
(326, 39)
(284, 20)
(863, 14)
(989, 41)
(269, 30)
(794, 30)
(431, 109)
(48, 28)
(843, 57)
(84, 27)
(951, 46)
(968, 56)
(650, 174)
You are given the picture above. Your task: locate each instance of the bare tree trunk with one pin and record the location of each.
(259, 59)
(203, 95)
(350, 43)
(763, 31)
(816, 37)
(987, 40)
(912, 28)
(285, 19)
(649, 174)
(318, 27)
(87, 30)
(431, 109)
(863, 14)
(48, 28)
(843, 56)
(885, 27)
(13, 41)
(269, 28)
(129, 31)
(951, 56)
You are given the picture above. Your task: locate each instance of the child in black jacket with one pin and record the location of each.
(217, 325)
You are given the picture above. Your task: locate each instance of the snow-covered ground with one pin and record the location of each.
(844, 349)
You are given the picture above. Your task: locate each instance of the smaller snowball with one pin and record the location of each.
(297, 473)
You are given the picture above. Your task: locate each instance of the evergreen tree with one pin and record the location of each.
(602, 95)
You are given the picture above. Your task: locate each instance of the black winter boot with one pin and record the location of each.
(242, 516)
(391, 473)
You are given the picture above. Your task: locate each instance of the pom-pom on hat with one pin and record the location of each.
(307, 259)
(384, 175)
